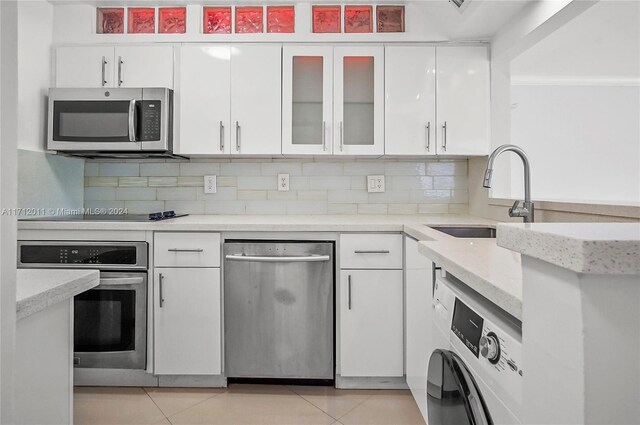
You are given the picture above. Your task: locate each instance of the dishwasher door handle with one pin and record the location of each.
(274, 259)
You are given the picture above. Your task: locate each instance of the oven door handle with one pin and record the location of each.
(116, 281)
(274, 259)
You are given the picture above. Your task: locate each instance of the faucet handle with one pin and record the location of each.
(514, 208)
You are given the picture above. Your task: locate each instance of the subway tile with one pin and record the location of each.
(109, 169)
(224, 207)
(266, 207)
(222, 194)
(100, 193)
(299, 208)
(342, 209)
(193, 181)
(405, 168)
(458, 208)
(252, 195)
(240, 169)
(133, 181)
(185, 207)
(299, 183)
(347, 197)
(403, 209)
(91, 168)
(390, 197)
(258, 183)
(312, 195)
(94, 205)
(459, 196)
(449, 182)
(144, 207)
(433, 208)
(274, 195)
(322, 169)
(372, 209)
(359, 182)
(409, 182)
(447, 168)
(135, 194)
(226, 181)
(163, 181)
(160, 169)
(430, 196)
(363, 168)
(200, 169)
(176, 194)
(275, 168)
(329, 182)
(103, 181)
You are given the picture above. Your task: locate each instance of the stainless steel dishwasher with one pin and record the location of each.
(279, 310)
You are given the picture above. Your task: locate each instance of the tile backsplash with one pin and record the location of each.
(249, 186)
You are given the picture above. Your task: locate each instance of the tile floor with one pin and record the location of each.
(244, 404)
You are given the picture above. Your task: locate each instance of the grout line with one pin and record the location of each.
(326, 413)
(358, 405)
(180, 411)
(154, 402)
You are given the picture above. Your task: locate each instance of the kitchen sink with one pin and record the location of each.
(467, 232)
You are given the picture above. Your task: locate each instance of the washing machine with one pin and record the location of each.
(474, 373)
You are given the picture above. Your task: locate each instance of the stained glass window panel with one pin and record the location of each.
(172, 20)
(142, 20)
(110, 20)
(249, 19)
(326, 19)
(358, 19)
(217, 20)
(281, 19)
(390, 18)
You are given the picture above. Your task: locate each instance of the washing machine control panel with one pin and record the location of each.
(490, 347)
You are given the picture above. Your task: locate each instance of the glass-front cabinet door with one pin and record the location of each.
(307, 107)
(358, 100)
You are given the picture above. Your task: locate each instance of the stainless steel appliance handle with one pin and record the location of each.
(444, 136)
(274, 259)
(221, 137)
(349, 288)
(380, 251)
(185, 250)
(104, 71)
(428, 131)
(132, 120)
(160, 298)
(114, 281)
(120, 62)
(341, 138)
(324, 135)
(237, 136)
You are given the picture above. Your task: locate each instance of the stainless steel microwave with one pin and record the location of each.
(126, 122)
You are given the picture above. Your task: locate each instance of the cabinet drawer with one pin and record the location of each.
(366, 251)
(186, 249)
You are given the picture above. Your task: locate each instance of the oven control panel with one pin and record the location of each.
(150, 121)
(63, 253)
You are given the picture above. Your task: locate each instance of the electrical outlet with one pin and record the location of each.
(210, 184)
(283, 182)
(375, 184)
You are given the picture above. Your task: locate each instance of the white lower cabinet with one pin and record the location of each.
(371, 323)
(187, 322)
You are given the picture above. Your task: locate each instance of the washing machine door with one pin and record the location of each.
(453, 397)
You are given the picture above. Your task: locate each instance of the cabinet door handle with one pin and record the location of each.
(427, 129)
(375, 251)
(324, 135)
(341, 137)
(349, 289)
(160, 298)
(185, 250)
(444, 136)
(238, 136)
(221, 137)
(104, 71)
(120, 62)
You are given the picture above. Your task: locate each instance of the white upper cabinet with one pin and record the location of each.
(256, 102)
(463, 100)
(358, 100)
(307, 100)
(204, 115)
(126, 66)
(410, 100)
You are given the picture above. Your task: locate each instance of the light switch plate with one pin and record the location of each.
(375, 184)
(210, 184)
(283, 182)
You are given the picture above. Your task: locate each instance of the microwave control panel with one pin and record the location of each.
(151, 118)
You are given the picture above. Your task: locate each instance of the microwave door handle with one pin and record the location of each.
(132, 120)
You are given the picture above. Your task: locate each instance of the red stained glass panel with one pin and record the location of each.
(249, 19)
(172, 20)
(358, 19)
(110, 20)
(281, 19)
(142, 20)
(217, 20)
(326, 19)
(390, 18)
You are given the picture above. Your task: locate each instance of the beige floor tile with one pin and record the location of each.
(113, 406)
(385, 408)
(242, 406)
(258, 389)
(175, 400)
(336, 403)
(164, 421)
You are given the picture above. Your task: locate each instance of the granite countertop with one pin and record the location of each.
(38, 289)
(593, 248)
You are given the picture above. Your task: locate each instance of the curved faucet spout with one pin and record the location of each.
(526, 212)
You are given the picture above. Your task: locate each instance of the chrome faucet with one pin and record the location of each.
(526, 211)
